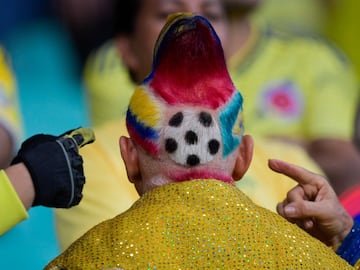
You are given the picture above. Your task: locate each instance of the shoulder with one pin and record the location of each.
(306, 45)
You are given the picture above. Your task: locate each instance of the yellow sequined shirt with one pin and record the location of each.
(199, 224)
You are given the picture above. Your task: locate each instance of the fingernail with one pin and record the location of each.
(289, 210)
(308, 224)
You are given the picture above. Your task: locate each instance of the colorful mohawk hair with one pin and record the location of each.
(189, 71)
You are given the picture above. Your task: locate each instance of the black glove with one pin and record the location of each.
(55, 166)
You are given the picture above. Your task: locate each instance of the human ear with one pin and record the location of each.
(130, 156)
(244, 157)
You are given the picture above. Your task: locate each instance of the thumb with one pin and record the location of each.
(303, 209)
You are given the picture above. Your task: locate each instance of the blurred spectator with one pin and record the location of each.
(302, 89)
(89, 22)
(51, 99)
(10, 120)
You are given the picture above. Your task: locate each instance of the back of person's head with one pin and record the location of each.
(187, 114)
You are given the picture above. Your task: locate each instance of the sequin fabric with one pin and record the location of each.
(198, 224)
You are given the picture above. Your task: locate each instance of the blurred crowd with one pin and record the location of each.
(66, 63)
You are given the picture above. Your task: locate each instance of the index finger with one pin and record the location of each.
(299, 174)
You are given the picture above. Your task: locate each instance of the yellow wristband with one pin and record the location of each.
(12, 210)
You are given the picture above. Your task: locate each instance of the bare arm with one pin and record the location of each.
(21, 180)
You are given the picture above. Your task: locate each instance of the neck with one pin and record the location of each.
(181, 176)
(239, 34)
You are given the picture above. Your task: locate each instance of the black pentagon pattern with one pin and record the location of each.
(171, 145)
(214, 146)
(176, 120)
(205, 119)
(191, 137)
(192, 160)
